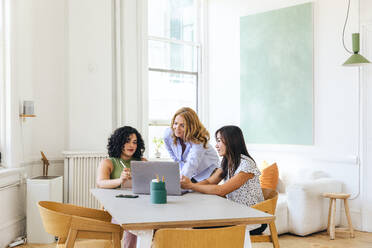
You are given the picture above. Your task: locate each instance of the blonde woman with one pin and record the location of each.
(187, 143)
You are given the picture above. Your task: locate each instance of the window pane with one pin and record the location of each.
(173, 19)
(172, 56)
(157, 132)
(170, 91)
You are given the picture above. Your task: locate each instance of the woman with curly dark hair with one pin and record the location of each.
(124, 145)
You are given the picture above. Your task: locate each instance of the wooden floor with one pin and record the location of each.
(318, 240)
(321, 240)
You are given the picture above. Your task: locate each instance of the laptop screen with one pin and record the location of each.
(144, 171)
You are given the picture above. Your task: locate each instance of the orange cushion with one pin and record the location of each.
(269, 176)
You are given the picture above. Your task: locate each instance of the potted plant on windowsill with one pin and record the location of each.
(159, 142)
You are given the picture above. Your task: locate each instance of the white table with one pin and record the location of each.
(141, 217)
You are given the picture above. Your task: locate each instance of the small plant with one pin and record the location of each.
(159, 142)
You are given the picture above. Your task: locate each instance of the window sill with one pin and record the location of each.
(9, 171)
(160, 159)
(9, 177)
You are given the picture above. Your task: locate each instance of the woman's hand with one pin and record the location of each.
(185, 182)
(125, 175)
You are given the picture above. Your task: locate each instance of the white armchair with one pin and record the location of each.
(301, 208)
(307, 208)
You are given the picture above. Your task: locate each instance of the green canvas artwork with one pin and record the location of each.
(276, 76)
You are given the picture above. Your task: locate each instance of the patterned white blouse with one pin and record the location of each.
(249, 193)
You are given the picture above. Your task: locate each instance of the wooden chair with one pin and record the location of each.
(232, 237)
(69, 222)
(268, 206)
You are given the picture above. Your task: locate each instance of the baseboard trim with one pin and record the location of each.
(366, 222)
(11, 230)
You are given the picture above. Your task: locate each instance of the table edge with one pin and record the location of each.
(198, 223)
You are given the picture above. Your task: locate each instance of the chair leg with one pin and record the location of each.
(70, 242)
(346, 204)
(329, 214)
(333, 216)
(61, 241)
(274, 234)
(116, 240)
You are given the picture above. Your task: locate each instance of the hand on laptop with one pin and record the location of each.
(185, 182)
(125, 175)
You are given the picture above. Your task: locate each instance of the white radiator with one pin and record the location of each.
(80, 170)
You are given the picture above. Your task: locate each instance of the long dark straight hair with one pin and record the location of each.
(232, 137)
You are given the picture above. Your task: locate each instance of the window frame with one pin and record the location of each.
(5, 85)
(200, 87)
(2, 80)
(160, 122)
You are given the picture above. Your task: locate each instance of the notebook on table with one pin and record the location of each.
(144, 171)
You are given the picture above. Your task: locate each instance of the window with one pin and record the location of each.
(4, 74)
(174, 62)
(2, 77)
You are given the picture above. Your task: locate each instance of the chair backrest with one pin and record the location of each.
(57, 216)
(269, 204)
(232, 237)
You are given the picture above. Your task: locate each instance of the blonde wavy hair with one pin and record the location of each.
(194, 130)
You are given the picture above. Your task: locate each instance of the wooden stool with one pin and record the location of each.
(332, 214)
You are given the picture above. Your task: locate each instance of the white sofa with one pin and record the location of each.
(301, 209)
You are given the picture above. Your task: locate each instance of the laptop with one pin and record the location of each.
(143, 172)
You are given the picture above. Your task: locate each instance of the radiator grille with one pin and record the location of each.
(80, 170)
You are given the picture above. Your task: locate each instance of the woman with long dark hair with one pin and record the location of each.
(237, 168)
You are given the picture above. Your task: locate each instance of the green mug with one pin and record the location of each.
(158, 193)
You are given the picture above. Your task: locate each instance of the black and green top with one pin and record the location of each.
(119, 164)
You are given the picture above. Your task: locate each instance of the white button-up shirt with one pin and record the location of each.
(196, 161)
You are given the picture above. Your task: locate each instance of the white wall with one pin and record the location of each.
(90, 70)
(366, 86)
(62, 60)
(38, 57)
(38, 73)
(336, 100)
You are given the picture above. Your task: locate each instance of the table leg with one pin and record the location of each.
(247, 238)
(144, 237)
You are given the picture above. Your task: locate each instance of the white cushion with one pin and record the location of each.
(307, 208)
(281, 215)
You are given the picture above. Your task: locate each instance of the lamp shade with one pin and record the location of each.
(356, 59)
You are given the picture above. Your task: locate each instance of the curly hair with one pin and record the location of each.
(194, 130)
(120, 137)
